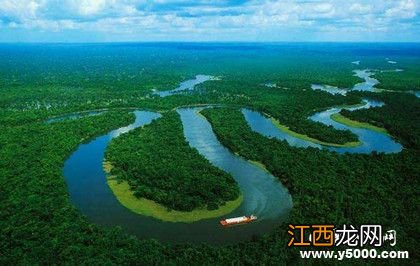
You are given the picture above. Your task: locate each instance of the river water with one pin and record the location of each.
(370, 140)
(187, 85)
(264, 195)
(367, 85)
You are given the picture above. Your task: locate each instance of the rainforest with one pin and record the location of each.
(171, 172)
(132, 153)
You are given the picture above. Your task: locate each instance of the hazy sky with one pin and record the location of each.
(206, 20)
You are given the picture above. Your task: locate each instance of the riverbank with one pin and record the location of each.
(307, 138)
(352, 123)
(142, 206)
(258, 164)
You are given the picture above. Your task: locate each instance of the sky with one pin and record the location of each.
(209, 20)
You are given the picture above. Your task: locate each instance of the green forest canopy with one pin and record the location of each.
(160, 165)
(39, 224)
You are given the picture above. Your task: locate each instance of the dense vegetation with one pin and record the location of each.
(400, 116)
(73, 78)
(160, 165)
(291, 107)
(293, 110)
(347, 189)
(38, 223)
(407, 80)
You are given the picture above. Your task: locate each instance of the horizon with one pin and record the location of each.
(211, 42)
(109, 21)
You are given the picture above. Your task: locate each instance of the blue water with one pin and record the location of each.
(330, 89)
(187, 85)
(264, 195)
(371, 140)
(263, 125)
(123, 66)
(367, 85)
(85, 176)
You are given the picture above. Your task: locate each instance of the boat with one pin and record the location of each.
(238, 220)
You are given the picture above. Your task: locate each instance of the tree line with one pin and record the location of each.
(160, 165)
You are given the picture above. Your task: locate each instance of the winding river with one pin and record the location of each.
(370, 140)
(264, 195)
(187, 85)
(367, 85)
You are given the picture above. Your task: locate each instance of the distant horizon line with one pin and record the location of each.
(210, 42)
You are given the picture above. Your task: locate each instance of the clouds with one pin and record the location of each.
(358, 8)
(20, 9)
(89, 7)
(404, 9)
(210, 20)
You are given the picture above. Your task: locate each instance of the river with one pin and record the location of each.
(264, 195)
(367, 85)
(187, 85)
(370, 140)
